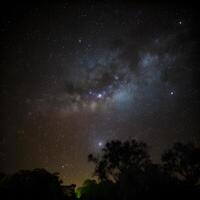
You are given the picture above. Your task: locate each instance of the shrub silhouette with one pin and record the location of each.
(91, 190)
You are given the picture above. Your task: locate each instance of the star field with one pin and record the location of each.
(75, 75)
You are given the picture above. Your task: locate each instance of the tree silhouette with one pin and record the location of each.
(119, 157)
(124, 170)
(183, 161)
(35, 184)
(127, 165)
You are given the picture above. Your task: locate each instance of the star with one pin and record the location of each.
(172, 93)
(100, 144)
(99, 96)
(116, 77)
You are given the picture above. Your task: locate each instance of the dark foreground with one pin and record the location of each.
(124, 171)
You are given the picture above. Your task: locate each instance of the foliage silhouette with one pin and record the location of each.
(35, 184)
(183, 160)
(127, 165)
(124, 171)
(119, 157)
(92, 190)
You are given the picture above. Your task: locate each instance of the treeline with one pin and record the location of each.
(123, 171)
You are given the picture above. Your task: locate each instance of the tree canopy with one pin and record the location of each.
(118, 157)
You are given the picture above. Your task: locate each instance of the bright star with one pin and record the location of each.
(99, 96)
(100, 144)
(172, 93)
(116, 77)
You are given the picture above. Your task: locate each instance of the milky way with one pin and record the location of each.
(77, 75)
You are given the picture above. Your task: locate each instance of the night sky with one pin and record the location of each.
(75, 75)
